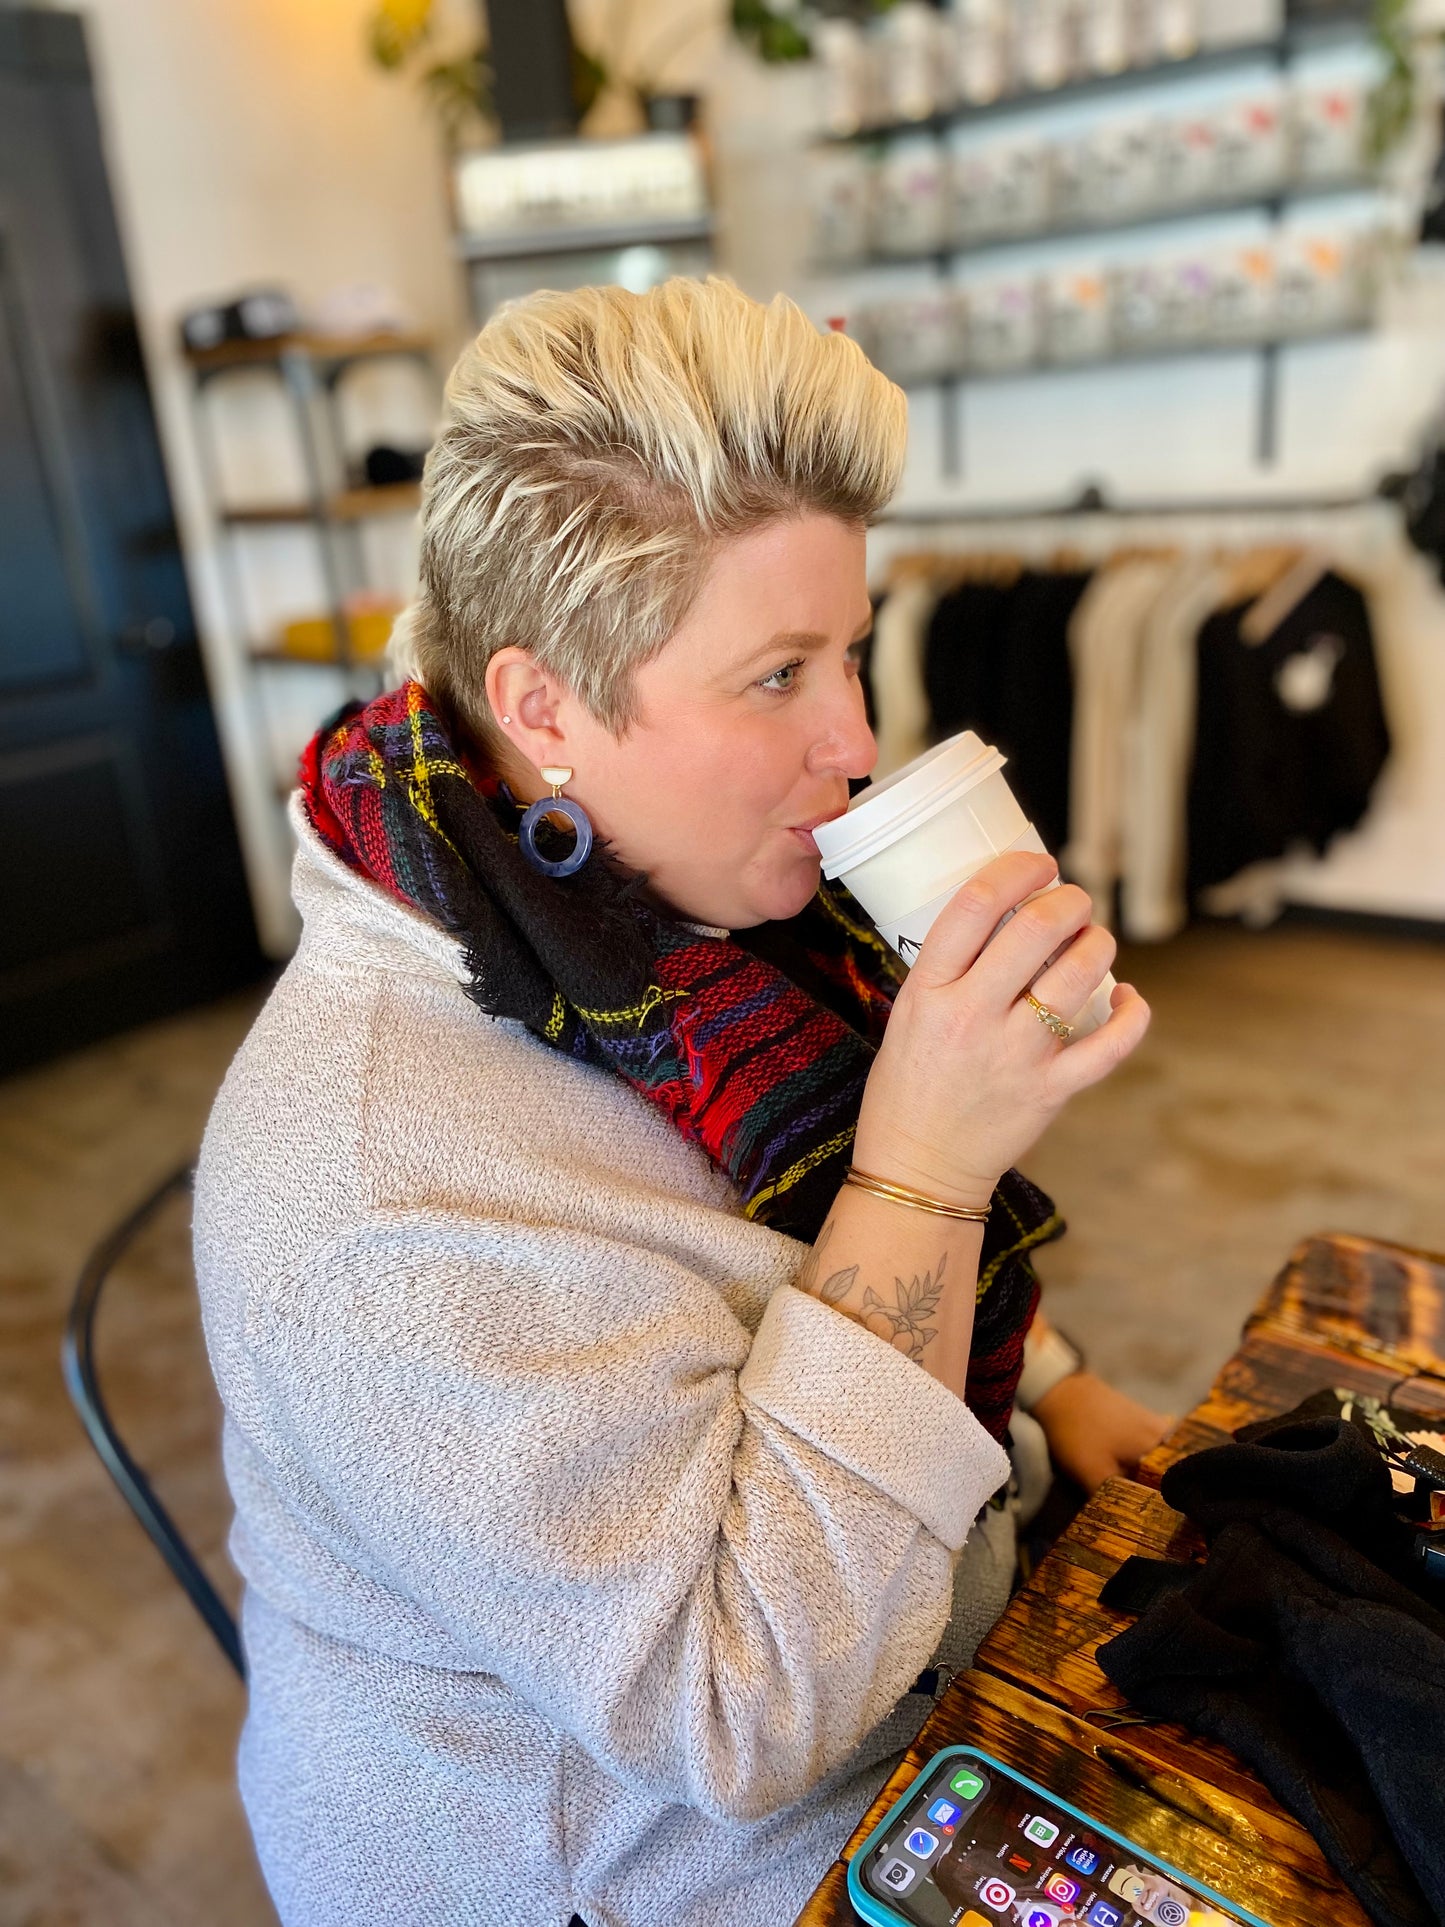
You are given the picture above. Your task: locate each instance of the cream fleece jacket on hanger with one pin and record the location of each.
(1105, 634)
(1159, 753)
(901, 717)
(588, 1562)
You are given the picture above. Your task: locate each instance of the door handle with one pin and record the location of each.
(151, 636)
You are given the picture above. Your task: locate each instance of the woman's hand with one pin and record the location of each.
(967, 1077)
(1094, 1432)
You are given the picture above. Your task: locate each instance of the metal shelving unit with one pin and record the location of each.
(1272, 200)
(1268, 349)
(312, 369)
(570, 213)
(532, 243)
(1299, 36)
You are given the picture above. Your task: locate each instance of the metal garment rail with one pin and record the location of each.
(1094, 501)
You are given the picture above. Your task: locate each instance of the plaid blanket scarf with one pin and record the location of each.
(757, 1048)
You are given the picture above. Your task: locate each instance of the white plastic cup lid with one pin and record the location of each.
(887, 811)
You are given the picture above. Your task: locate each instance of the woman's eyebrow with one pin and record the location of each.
(803, 639)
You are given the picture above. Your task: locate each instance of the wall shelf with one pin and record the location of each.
(351, 505)
(1267, 349)
(1297, 37)
(525, 243)
(311, 371)
(1266, 200)
(272, 653)
(324, 351)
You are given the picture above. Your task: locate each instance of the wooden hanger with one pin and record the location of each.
(1283, 596)
(1249, 573)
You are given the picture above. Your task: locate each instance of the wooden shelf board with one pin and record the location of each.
(272, 652)
(334, 349)
(351, 505)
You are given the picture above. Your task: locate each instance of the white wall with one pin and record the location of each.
(251, 141)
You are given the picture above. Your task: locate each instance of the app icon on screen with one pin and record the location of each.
(897, 1875)
(1082, 1859)
(997, 1894)
(1041, 1917)
(1042, 1832)
(1059, 1887)
(943, 1813)
(966, 1783)
(1020, 1862)
(921, 1843)
(1130, 1885)
(1170, 1912)
(1101, 1914)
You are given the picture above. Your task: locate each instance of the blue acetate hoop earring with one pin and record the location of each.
(556, 805)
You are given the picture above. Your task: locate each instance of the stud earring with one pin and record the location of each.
(506, 719)
(558, 805)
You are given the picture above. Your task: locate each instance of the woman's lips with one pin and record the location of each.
(804, 831)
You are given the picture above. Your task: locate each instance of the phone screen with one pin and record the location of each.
(973, 1848)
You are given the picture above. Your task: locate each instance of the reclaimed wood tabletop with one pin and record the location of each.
(1343, 1311)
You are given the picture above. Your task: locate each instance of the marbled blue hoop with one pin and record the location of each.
(576, 816)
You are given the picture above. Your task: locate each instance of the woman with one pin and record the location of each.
(616, 1343)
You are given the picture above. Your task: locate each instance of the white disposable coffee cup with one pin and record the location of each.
(905, 844)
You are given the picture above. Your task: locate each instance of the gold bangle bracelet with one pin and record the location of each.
(919, 1200)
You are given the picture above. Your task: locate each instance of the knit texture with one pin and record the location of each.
(589, 1564)
(740, 1058)
(1308, 1644)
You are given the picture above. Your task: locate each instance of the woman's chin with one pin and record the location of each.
(770, 896)
(791, 892)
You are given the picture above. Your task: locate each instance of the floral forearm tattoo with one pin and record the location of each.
(907, 1323)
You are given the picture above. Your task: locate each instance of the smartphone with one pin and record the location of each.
(974, 1844)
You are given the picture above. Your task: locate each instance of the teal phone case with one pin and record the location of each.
(879, 1914)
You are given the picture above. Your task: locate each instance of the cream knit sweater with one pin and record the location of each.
(588, 1563)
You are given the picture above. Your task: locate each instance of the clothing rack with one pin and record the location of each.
(1360, 528)
(1072, 645)
(1093, 500)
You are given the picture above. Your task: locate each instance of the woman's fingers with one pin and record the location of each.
(964, 925)
(1068, 983)
(1039, 930)
(1090, 1059)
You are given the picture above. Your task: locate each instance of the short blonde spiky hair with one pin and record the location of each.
(599, 445)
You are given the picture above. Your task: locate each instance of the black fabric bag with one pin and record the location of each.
(1309, 1644)
(1290, 733)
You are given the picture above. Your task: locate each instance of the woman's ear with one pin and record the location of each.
(530, 700)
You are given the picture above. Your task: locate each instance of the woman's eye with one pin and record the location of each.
(788, 671)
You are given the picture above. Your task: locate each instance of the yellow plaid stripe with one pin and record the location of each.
(638, 1013)
(1039, 1235)
(418, 791)
(818, 1155)
(859, 932)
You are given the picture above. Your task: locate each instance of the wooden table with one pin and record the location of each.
(1343, 1311)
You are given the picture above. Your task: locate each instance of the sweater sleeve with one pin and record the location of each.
(716, 1560)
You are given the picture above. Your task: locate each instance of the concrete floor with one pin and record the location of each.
(1293, 1082)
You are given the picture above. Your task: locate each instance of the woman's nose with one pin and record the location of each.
(849, 746)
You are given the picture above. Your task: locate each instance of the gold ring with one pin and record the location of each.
(1056, 1024)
